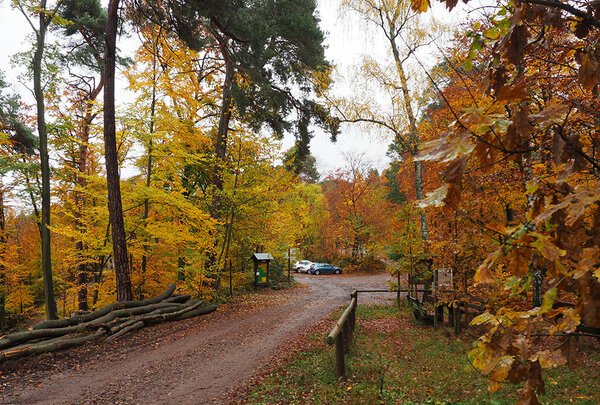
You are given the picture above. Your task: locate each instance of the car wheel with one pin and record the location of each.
(337, 271)
(317, 272)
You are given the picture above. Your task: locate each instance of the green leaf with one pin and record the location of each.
(483, 318)
(548, 301)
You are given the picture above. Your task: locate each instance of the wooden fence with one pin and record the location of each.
(342, 332)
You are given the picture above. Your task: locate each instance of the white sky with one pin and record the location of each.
(346, 41)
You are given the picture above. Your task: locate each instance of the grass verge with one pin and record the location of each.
(395, 360)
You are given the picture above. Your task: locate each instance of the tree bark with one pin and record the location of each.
(115, 209)
(2, 268)
(80, 197)
(413, 140)
(222, 131)
(149, 165)
(50, 304)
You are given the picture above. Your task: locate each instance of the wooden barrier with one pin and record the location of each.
(341, 334)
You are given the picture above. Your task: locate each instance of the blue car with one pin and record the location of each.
(323, 268)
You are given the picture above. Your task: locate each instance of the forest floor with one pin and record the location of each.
(196, 361)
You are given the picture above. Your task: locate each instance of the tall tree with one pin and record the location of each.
(115, 207)
(86, 31)
(404, 33)
(267, 48)
(540, 110)
(45, 17)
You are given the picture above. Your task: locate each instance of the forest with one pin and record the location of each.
(494, 153)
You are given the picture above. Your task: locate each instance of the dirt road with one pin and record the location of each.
(195, 361)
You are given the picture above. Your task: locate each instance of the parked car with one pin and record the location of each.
(323, 268)
(302, 266)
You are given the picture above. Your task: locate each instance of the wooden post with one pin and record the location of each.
(353, 312)
(450, 315)
(339, 355)
(456, 310)
(398, 292)
(289, 264)
(435, 306)
(230, 280)
(347, 336)
(439, 314)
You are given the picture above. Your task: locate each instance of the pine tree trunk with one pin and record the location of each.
(115, 209)
(222, 131)
(45, 165)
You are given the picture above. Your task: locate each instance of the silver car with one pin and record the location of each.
(302, 266)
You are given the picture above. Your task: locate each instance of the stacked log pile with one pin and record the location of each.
(111, 321)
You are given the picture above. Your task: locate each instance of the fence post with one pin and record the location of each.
(339, 355)
(230, 279)
(398, 292)
(456, 309)
(347, 337)
(439, 313)
(353, 312)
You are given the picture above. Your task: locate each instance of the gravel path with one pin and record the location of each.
(195, 361)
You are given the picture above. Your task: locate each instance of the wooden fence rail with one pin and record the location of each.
(341, 334)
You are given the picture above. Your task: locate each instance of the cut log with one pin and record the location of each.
(115, 322)
(26, 335)
(75, 319)
(48, 346)
(196, 312)
(127, 312)
(132, 327)
(103, 322)
(179, 298)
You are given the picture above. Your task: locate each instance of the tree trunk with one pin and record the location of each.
(45, 165)
(222, 131)
(413, 136)
(149, 165)
(115, 209)
(2, 268)
(80, 197)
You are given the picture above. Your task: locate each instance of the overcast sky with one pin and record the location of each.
(346, 41)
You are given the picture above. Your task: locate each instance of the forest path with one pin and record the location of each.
(195, 361)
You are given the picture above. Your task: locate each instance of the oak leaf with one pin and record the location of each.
(546, 248)
(419, 6)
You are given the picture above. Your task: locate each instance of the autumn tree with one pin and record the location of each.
(45, 16)
(540, 82)
(115, 207)
(404, 33)
(262, 63)
(85, 29)
(358, 212)
(15, 139)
